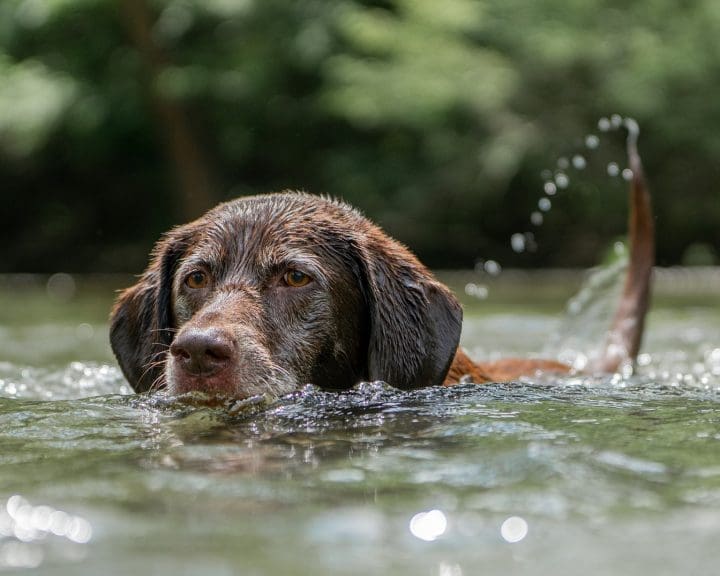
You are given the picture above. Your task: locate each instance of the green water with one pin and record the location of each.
(574, 475)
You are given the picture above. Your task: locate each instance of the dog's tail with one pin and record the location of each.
(626, 331)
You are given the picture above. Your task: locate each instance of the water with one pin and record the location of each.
(558, 179)
(599, 475)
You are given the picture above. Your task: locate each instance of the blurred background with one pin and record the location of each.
(443, 121)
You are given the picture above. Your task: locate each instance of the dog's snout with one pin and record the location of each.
(203, 352)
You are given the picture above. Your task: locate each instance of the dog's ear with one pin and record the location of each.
(141, 322)
(415, 321)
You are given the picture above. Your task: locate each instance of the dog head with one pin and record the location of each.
(266, 293)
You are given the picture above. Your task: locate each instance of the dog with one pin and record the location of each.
(266, 293)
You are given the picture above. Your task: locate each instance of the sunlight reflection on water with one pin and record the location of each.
(514, 529)
(428, 526)
(76, 380)
(25, 531)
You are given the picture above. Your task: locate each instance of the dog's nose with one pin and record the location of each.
(203, 351)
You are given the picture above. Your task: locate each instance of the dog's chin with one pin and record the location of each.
(229, 383)
(215, 385)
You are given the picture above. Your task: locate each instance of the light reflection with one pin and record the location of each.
(84, 331)
(19, 555)
(579, 162)
(613, 169)
(446, 569)
(428, 526)
(479, 291)
(514, 529)
(23, 523)
(592, 141)
(61, 287)
(561, 180)
(712, 358)
(536, 218)
(492, 267)
(517, 242)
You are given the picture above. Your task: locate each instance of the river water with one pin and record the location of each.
(554, 475)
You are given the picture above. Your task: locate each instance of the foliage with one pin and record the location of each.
(120, 119)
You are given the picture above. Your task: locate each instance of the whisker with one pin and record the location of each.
(170, 330)
(161, 344)
(158, 383)
(154, 363)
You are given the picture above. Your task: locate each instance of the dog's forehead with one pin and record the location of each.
(276, 227)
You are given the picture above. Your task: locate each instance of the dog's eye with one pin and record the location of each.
(296, 279)
(196, 279)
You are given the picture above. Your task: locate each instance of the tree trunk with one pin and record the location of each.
(181, 144)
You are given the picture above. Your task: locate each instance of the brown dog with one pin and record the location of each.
(266, 293)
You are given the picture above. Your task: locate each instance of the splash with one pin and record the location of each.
(586, 314)
(555, 181)
(76, 380)
(561, 176)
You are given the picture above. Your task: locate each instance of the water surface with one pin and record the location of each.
(592, 475)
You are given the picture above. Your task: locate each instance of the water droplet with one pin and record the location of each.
(59, 522)
(546, 174)
(562, 180)
(517, 242)
(712, 359)
(61, 287)
(536, 218)
(604, 124)
(632, 126)
(627, 174)
(563, 163)
(84, 331)
(79, 530)
(616, 121)
(40, 518)
(530, 244)
(550, 188)
(613, 169)
(579, 162)
(544, 204)
(514, 529)
(14, 503)
(592, 141)
(492, 267)
(479, 291)
(429, 525)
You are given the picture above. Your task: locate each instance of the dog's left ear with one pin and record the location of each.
(415, 321)
(141, 323)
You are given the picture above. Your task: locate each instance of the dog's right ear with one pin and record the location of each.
(141, 322)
